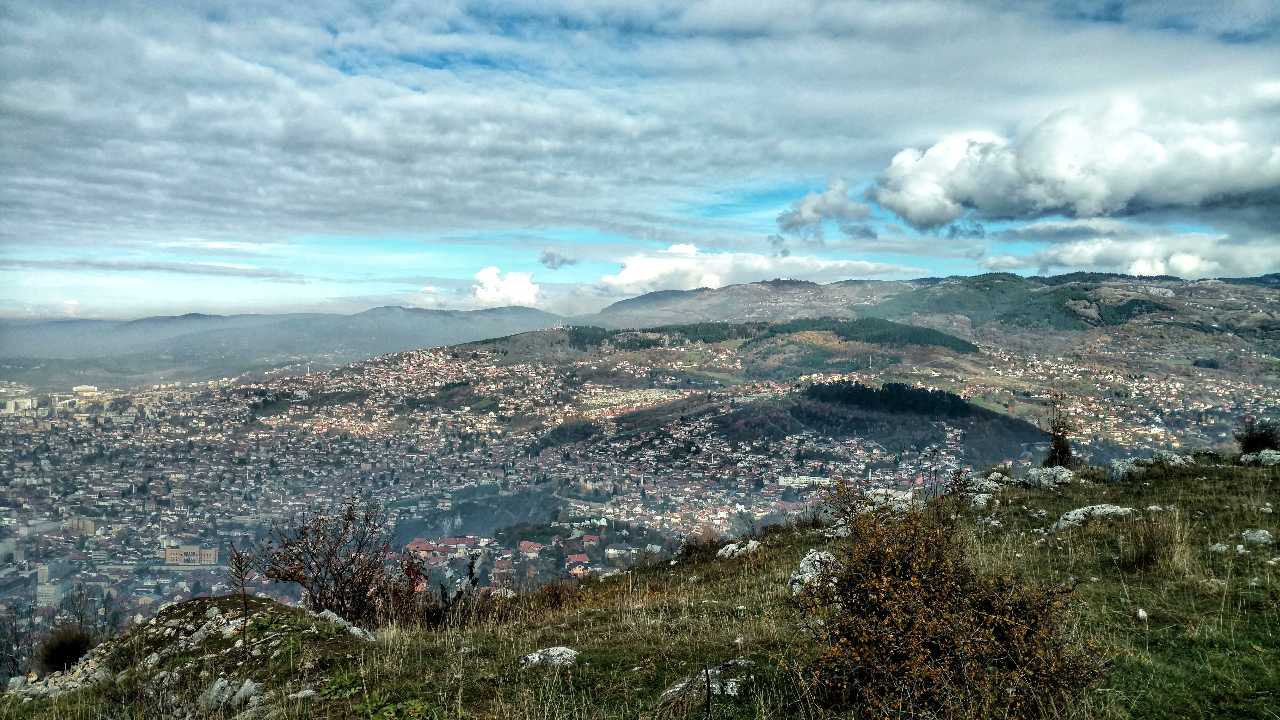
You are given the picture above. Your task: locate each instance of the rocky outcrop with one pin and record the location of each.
(726, 679)
(1080, 516)
(1262, 458)
(1048, 477)
(1129, 469)
(739, 549)
(811, 568)
(555, 657)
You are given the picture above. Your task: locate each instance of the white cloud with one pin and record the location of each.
(1138, 250)
(494, 288)
(1120, 159)
(807, 214)
(684, 267)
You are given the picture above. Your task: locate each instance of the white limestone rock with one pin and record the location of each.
(558, 656)
(341, 622)
(1080, 516)
(1263, 458)
(737, 550)
(1257, 537)
(1049, 477)
(811, 568)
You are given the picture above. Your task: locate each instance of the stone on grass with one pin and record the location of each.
(727, 679)
(736, 550)
(1257, 537)
(811, 568)
(1080, 516)
(1263, 458)
(1048, 477)
(558, 656)
(341, 622)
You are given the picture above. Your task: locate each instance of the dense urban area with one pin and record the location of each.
(583, 461)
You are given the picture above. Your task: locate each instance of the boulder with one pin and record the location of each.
(1257, 537)
(888, 498)
(340, 621)
(736, 550)
(811, 568)
(1262, 458)
(1127, 469)
(558, 656)
(1048, 477)
(726, 679)
(1080, 516)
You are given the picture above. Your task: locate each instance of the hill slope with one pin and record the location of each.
(1206, 647)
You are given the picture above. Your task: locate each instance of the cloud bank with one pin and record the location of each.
(685, 267)
(1120, 160)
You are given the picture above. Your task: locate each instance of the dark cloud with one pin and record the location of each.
(859, 231)
(553, 260)
(806, 216)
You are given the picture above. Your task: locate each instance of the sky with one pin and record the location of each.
(183, 156)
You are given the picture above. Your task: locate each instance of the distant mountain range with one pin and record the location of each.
(194, 347)
(993, 308)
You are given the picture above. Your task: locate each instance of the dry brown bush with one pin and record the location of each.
(910, 629)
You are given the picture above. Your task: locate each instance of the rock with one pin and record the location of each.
(248, 690)
(985, 486)
(1128, 469)
(217, 694)
(1142, 615)
(1218, 548)
(1080, 516)
(728, 678)
(303, 694)
(17, 683)
(1257, 537)
(887, 498)
(1169, 459)
(1048, 477)
(980, 500)
(736, 550)
(558, 656)
(811, 568)
(341, 622)
(1262, 458)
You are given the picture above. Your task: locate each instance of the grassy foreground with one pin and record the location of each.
(1209, 645)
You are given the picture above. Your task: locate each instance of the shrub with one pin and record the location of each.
(1060, 454)
(910, 629)
(339, 559)
(406, 598)
(63, 648)
(1255, 435)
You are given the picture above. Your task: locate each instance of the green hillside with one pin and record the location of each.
(1013, 300)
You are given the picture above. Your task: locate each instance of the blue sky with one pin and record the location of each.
(232, 157)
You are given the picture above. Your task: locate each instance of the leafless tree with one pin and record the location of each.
(240, 566)
(15, 644)
(1060, 454)
(339, 558)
